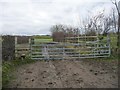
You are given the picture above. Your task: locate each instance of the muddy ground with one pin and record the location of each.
(66, 74)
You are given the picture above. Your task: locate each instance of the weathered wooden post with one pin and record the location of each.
(79, 41)
(29, 47)
(108, 44)
(16, 53)
(0, 50)
(8, 47)
(31, 43)
(0, 62)
(15, 40)
(118, 43)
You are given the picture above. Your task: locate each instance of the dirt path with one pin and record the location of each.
(65, 74)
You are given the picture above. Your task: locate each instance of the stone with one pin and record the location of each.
(50, 83)
(96, 73)
(91, 70)
(32, 80)
(29, 72)
(26, 78)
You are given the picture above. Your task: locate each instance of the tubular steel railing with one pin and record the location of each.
(66, 50)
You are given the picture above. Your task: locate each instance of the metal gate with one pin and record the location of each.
(69, 50)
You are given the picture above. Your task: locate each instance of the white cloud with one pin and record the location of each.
(37, 16)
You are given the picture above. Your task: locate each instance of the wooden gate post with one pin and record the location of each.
(16, 53)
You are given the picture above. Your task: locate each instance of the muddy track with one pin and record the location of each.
(63, 74)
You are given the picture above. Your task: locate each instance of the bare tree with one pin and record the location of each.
(93, 25)
(100, 24)
(114, 19)
(109, 23)
(118, 32)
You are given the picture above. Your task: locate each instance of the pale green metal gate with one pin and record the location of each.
(71, 50)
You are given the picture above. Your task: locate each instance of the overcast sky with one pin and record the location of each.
(29, 17)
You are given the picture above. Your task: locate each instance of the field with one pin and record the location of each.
(43, 40)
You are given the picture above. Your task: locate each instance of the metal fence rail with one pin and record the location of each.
(88, 49)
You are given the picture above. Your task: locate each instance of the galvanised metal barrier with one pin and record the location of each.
(57, 51)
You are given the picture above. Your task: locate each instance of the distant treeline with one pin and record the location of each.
(42, 36)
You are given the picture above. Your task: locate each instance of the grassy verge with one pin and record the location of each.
(9, 66)
(109, 59)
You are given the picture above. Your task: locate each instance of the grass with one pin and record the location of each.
(43, 40)
(9, 66)
(113, 41)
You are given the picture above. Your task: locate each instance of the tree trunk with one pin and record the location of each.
(118, 42)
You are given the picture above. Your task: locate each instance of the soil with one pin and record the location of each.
(66, 74)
